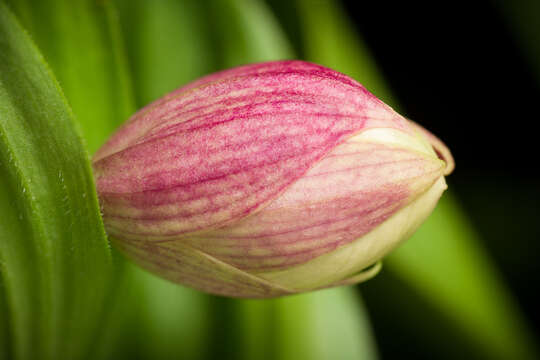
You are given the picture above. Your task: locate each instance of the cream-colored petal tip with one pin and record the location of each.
(440, 148)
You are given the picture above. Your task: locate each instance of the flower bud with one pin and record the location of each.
(267, 179)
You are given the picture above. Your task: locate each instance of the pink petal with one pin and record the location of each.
(348, 193)
(191, 267)
(223, 148)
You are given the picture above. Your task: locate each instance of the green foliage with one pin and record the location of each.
(167, 43)
(52, 239)
(81, 42)
(334, 324)
(245, 31)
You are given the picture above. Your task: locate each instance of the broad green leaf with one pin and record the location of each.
(443, 262)
(245, 31)
(55, 260)
(102, 57)
(4, 319)
(81, 42)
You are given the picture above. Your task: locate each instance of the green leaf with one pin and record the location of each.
(81, 42)
(173, 322)
(444, 257)
(55, 260)
(334, 322)
(158, 320)
(4, 318)
(168, 44)
(327, 324)
(445, 262)
(245, 31)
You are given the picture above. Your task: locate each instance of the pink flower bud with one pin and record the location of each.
(267, 179)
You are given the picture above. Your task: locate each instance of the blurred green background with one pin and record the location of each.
(463, 287)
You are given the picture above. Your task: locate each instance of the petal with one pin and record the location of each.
(222, 149)
(355, 188)
(443, 152)
(191, 267)
(339, 265)
(164, 108)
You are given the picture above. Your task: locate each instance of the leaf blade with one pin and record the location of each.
(337, 324)
(82, 43)
(246, 32)
(56, 239)
(168, 45)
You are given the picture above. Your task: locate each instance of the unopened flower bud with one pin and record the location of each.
(267, 179)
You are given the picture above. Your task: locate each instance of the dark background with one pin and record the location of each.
(459, 70)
